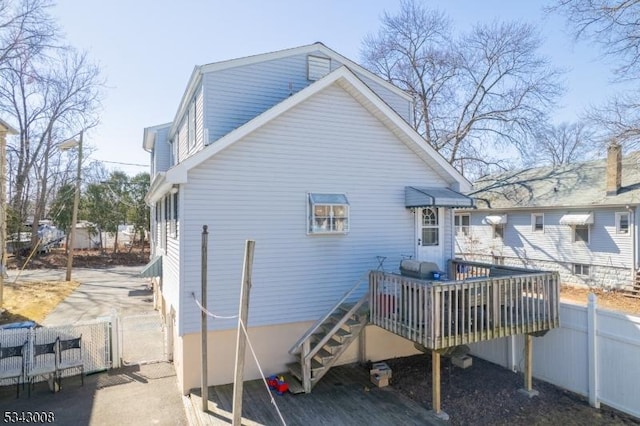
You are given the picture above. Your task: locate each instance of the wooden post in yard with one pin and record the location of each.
(241, 341)
(435, 379)
(528, 367)
(204, 390)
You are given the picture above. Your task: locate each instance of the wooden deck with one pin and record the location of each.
(343, 396)
(484, 302)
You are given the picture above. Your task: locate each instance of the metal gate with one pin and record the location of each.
(142, 338)
(96, 341)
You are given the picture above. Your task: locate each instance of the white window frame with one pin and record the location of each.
(578, 269)
(332, 226)
(575, 230)
(430, 227)
(462, 229)
(619, 229)
(173, 213)
(191, 126)
(496, 235)
(533, 222)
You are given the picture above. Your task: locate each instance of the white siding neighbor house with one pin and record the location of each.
(314, 158)
(579, 219)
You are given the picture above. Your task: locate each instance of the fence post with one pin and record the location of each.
(116, 348)
(592, 350)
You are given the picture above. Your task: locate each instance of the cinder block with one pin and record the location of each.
(464, 361)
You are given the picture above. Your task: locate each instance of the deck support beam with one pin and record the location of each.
(435, 389)
(528, 367)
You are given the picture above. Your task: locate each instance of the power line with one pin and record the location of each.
(125, 164)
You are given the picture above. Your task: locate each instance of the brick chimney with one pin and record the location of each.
(614, 168)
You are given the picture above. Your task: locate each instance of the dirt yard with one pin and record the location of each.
(57, 259)
(611, 300)
(33, 300)
(486, 394)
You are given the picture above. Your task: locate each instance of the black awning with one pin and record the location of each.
(435, 197)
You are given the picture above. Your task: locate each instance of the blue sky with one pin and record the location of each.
(148, 48)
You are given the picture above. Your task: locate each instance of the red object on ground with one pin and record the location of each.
(282, 387)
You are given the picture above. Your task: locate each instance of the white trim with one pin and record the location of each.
(618, 216)
(353, 85)
(192, 85)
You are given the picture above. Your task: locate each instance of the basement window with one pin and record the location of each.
(328, 214)
(581, 270)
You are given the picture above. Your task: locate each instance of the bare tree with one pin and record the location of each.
(46, 95)
(476, 93)
(566, 143)
(25, 26)
(612, 24)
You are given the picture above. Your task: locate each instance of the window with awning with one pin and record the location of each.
(573, 219)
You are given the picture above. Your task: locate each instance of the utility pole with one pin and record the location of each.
(76, 201)
(5, 130)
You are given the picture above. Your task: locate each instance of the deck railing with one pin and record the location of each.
(483, 302)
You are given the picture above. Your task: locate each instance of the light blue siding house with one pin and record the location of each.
(311, 156)
(579, 219)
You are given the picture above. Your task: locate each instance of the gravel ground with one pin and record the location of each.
(487, 394)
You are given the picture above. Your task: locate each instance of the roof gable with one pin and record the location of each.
(349, 82)
(199, 71)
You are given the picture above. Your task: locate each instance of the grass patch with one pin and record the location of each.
(33, 300)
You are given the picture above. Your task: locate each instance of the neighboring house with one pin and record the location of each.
(311, 156)
(579, 219)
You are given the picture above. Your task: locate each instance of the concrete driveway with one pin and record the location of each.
(137, 393)
(101, 291)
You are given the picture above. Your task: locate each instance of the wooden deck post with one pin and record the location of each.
(435, 379)
(528, 367)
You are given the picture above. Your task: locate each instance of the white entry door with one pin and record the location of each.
(429, 238)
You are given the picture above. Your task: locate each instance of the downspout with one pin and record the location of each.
(634, 242)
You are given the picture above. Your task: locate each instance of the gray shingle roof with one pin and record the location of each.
(574, 185)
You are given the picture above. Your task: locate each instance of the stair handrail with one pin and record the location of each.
(316, 348)
(317, 324)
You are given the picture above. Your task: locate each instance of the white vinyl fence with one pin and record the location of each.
(595, 353)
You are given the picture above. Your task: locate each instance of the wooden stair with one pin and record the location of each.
(635, 288)
(327, 341)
